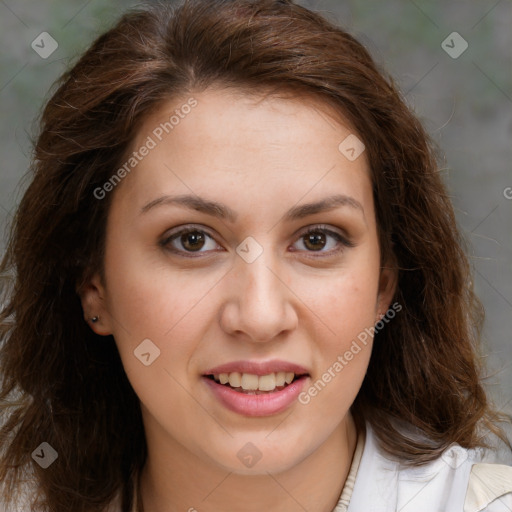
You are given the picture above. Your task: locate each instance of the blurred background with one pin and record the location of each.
(452, 61)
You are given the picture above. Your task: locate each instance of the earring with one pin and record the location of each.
(94, 319)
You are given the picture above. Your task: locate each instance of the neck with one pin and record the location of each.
(175, 479)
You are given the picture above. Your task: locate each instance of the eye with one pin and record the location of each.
(189, 240)
(316, 238)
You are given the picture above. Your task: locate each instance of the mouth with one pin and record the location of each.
(256, 389)
(252, 384)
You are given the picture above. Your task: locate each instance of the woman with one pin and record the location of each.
(227, 289)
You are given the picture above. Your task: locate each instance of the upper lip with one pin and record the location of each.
(258, 368)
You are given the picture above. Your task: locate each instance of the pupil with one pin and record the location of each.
(190, 240)
(316, 238)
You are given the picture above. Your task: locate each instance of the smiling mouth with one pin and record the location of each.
(251, 384)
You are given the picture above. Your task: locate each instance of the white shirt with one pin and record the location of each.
(458, 481)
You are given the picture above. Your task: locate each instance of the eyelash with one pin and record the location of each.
(344, 242)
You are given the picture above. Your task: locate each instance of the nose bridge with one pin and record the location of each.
(262, 307)
(261, 286)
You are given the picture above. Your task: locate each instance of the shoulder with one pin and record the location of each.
(460, 480)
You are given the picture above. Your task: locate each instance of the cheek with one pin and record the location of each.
(350, 315)
(346, 307)
(345, 304)
(157, 329)
(343, 345)
(147, 297)
(148, 301)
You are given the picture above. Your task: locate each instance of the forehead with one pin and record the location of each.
(222, 140)
(249, 120)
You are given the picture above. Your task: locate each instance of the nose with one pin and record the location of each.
(259, 305)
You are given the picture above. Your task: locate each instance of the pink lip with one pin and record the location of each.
(259, 369)
(256, 405)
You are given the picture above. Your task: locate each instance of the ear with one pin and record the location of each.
(387, 286)
(92, 294)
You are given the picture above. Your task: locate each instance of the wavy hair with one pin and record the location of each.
(63, 384)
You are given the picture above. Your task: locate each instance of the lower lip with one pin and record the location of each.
(257, 405)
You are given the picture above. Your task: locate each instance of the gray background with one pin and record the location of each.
(465, 103)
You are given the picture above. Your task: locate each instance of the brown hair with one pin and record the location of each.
(63, 384)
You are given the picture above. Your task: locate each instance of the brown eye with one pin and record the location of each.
(315, 241)
(188, 241)
(192, 240)
(318, 238)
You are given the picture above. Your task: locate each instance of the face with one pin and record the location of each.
(225, 283)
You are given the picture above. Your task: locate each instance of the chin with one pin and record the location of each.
(254, 456)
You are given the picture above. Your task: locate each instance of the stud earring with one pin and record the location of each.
(94, 319)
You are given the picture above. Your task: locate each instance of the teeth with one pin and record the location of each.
(267, 382)
(280, 378)
(235, 380)
(251, 382)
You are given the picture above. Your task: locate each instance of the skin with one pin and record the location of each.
(260, 156)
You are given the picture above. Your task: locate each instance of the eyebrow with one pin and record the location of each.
(215, 209)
